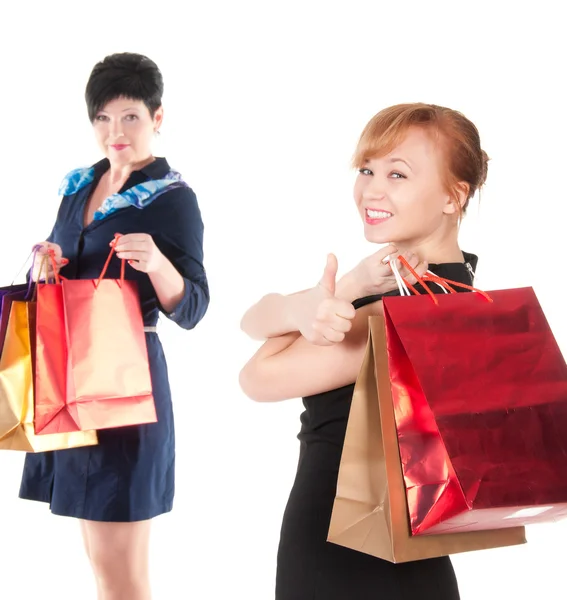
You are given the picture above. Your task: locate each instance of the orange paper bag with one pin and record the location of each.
(99, 377)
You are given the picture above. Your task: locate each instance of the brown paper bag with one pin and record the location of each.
(370, 512)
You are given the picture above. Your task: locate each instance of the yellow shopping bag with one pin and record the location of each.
(17, 391)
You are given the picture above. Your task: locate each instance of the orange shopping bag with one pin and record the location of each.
(100, 376)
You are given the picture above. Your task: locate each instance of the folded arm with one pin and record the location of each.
(289, 366)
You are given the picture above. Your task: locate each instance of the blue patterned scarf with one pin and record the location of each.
(138, 196)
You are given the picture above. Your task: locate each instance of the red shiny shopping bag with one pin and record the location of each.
(479, 387)
(52, 414)
(51, 358)
(101, 371)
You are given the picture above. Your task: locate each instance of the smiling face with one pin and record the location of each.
(401, 196)
(124, 130)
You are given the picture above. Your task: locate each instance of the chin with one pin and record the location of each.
(121, 158)
(375, 236)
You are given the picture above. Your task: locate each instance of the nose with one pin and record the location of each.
(115, 130)
(374, 190)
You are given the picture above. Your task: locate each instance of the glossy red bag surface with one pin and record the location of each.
(51, 403)
(480, 399)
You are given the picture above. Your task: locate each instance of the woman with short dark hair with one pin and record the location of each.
(118, 486)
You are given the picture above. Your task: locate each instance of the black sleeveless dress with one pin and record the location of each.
(309, 567)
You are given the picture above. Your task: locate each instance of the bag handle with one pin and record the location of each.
(43, 266)
(50, 256)
(33, 256)
(51, 259)
(446, 284)
(117, 236)
(29, 293)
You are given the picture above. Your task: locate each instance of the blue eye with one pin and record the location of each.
(365, 171)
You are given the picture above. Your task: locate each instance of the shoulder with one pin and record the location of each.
(180, 192)
(75, 180)
(175, 209)
(176, 196)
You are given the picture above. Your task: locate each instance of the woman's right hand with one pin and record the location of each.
(321, 317)
(43, 249)
(372, 276)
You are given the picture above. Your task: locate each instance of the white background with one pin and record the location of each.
(264, 103)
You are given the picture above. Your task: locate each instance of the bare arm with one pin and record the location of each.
(277, 314)
(290, 367)
(272, 316)
(321, 338)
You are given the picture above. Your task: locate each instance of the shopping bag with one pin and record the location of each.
(52, 362)
(370, 512)
(20, 291)
(108, 376)
(479, 388)
(17, 394)
(7, 295)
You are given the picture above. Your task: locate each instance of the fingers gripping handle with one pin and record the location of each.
(446, 284)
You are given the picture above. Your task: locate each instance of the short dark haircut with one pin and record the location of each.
(124, 75)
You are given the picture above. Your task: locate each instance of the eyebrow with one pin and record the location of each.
(125, 110)
(395, 159)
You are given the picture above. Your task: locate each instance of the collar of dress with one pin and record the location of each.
(138, 196)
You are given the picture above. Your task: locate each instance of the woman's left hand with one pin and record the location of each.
(141, 252)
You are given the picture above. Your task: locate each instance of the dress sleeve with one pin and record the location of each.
(180, 237)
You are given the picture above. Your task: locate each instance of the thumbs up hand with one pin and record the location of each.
(321, 317)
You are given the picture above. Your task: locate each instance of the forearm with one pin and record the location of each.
(272, 316)
(168, 285)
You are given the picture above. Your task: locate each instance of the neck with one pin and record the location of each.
(436, 249)
(118, 174)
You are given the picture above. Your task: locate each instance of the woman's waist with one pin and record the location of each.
(316, 477)
(329, 429)
(321, 453)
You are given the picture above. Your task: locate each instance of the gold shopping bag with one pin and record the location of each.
(17, 391)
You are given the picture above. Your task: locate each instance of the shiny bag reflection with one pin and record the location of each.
(480, 398)
(108, 375)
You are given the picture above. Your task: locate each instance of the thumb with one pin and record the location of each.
(383, 253)
(40, 248)
(329, 278)
(56, 249)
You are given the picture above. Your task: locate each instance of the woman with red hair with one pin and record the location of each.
(418, 166)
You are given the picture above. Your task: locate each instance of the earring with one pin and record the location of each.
(157, 132)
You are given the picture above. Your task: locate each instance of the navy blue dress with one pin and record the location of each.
(130, 475)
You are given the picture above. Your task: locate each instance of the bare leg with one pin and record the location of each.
(84, 533)
(119, 556)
